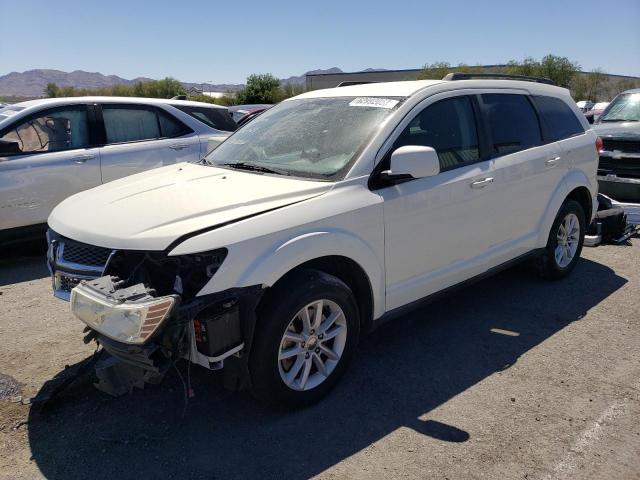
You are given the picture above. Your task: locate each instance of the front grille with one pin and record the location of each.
(67, 283)
(71, 261)
(83, 254)
(622, 167)
(621, 145)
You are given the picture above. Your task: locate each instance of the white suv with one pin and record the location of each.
(320, 219)
(52, 148)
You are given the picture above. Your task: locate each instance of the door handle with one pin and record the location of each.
(551, 162)
(79, 159)
(483, 182)
(178, 146)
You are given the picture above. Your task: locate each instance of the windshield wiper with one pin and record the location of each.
(618, 120)
(255, 168)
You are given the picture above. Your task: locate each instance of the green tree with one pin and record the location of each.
(434, 71)
(52, 90)
(260, 88)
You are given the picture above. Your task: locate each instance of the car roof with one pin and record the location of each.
(52, 102)
(379, 89)
(411, 87)
(250, 106)
(633, 90)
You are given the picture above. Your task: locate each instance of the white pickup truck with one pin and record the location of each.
(321, 218)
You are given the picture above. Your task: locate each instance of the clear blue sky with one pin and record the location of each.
(225, 41)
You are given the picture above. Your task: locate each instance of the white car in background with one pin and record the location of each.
(53, 148)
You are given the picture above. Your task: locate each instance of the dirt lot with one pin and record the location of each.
(511, 378)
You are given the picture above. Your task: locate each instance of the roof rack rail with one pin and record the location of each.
(470, 76)
(348, 83)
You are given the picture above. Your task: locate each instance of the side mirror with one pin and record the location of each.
(9, 148)
(413, 161)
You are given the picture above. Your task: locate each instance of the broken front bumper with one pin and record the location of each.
(148, 333)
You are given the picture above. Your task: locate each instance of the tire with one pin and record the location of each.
(553, 266)
(283, 311)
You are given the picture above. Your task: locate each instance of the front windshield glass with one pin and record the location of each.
(314, 137)
(625, 108)
(8, 111)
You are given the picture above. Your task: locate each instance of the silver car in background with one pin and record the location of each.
(53, 148)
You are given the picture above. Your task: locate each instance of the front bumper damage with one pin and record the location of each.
(212, 331)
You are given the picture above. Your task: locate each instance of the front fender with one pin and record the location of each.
(279, 258)
(572, 180)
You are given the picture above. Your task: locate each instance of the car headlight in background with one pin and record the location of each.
(128, 322)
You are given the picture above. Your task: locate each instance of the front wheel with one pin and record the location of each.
(306, 334)
(565, 241)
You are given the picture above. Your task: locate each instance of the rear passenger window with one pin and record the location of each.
(171, 127)
(512, 121)
(217, 118)
(449, 127)
(133, 123)
(558, 120)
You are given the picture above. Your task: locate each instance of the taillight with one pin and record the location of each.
(599, 145)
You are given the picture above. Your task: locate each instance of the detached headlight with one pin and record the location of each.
(126, 322)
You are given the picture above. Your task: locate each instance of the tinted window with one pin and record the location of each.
(512, 121)
(129, 124)
(217, 118)
(558, 120)
(449, 127)
(171, 126)
(51, 131)
(134, 123)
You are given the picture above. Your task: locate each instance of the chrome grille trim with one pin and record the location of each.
(71, 262)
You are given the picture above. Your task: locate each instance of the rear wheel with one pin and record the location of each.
(565, 241)
(306, 334)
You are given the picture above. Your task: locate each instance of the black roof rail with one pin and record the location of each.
(507, 76)
(348, 83)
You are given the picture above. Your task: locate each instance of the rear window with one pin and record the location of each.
(558, 120)
(133, 123)
(217, 118)
(512, 121)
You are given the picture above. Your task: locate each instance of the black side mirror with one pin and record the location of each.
(9, 148)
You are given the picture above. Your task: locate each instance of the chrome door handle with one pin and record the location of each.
(178, 146)
(483, 182)
(82, 158)
(551, 162)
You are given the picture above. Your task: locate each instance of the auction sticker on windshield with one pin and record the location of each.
(373, 102)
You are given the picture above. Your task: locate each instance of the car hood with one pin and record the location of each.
(618, 130)
(150, 210)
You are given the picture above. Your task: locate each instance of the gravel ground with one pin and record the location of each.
(513, 377)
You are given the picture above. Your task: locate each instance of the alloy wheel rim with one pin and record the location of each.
(312, 345)
(568, 237)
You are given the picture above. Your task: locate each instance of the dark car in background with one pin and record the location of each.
(242, 114)
(619, 129)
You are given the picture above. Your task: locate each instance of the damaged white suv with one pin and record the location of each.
(317, 221)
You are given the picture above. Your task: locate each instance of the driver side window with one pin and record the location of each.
(52, 131)
(449, 127)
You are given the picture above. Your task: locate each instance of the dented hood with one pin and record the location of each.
(150, 210)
